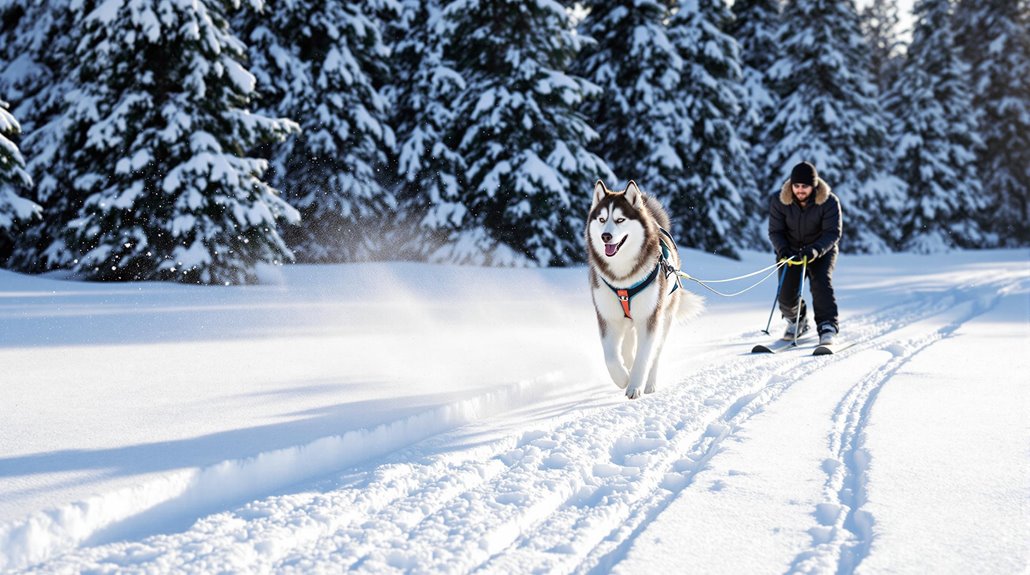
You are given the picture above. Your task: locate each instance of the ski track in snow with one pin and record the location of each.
(569, 496)
(846, 530)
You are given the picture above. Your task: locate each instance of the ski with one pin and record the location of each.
(831, 348)
(778, 345)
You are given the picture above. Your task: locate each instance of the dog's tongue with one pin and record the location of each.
(610, 249)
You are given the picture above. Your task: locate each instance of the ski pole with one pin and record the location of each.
(801, 301)
(783, 275)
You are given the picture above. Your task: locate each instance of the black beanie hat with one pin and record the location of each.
(804, 173)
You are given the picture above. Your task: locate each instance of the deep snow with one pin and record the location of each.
(405, 417)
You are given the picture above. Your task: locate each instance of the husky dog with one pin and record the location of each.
(633, 261)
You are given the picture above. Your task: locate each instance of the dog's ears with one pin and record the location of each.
(634, 195)
(599, 192)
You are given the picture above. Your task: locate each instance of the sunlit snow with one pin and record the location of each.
(417, 418)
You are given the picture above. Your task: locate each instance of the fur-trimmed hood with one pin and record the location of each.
(822, 192)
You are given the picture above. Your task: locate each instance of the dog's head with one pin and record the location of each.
(616, 221)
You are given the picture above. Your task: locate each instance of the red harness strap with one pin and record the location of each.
(623, 296)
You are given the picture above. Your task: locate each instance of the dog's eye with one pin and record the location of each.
(620, 220)
(601, 219)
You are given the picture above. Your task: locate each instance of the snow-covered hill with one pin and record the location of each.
(414, 418)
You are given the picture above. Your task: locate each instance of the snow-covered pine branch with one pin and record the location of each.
(36, 43)
(936, 136)
(158, 127)
(423, 93)
(642, 120)
(755, 25)
(13, 178)
(528, 147)
(879, 21)
(714, 199)
(994, 36)
(323, 63)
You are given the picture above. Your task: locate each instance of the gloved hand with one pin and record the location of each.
(784, 253)
(807, 254)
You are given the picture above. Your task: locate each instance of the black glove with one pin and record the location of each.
(784, 253)
(809, 252)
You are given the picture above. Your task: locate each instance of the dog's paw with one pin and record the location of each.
(650, 388)
(633, 393)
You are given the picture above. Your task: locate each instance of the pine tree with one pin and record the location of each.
(521, 132)
(969, 16)
(159, 126)
(323, 63)
(644, 127)
(755, 25)
(37, 41)
(14, 209)
(429, 168)
(712, 202)
(829, 115)
(880, 22)
(937, 131)
(995, 39)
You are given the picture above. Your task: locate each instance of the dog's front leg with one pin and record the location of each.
(629, 347)
(612, 340)
(652, 376)
(647, 338)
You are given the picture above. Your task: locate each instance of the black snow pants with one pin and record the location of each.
(819, 277)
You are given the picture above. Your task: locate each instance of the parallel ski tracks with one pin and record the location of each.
(850, 418)
(570, 499)
(848, 527)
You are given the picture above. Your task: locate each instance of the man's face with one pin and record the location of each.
(801, 192)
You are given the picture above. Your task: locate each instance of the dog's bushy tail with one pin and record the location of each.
(690, 305)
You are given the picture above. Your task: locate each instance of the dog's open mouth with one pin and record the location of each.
(611, 249)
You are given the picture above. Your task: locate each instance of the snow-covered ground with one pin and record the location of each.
(416, 418)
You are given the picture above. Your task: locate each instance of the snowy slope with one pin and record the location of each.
(402, 417)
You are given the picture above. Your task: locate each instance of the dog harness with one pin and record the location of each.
(626, 295)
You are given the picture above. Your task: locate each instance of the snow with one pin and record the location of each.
(243, 80)
(970, 436)
(397, 417)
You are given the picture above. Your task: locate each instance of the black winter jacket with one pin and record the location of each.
(818, 225)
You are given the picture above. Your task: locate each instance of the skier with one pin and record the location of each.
(805, 227)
